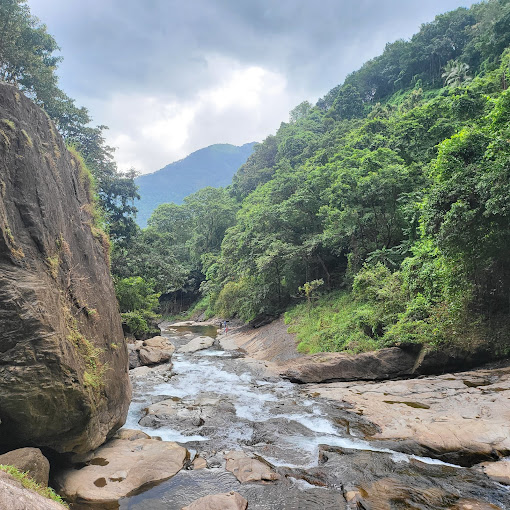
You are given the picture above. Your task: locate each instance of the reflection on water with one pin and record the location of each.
(211, 331)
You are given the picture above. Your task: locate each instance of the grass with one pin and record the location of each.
(8, 123)
(331, 325)
(32, 485)
(28, 140)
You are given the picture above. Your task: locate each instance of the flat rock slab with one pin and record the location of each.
(462, 418)
(119, 467)
(246, 469)
(31, 461)
(13, 496)
(498, 471)
(197, 344)
(227, 501)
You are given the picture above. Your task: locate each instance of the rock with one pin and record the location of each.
(119, 467)
(197, 344)
(30, 460)
(368, 366)
(63, 378)
(424, 416)
(472, 504)
(153, 356)
(181, 324)
(131, 435)
(13, 496)
(199, 463)
(246, 469)
(498, 471)
(160, 342)
(227, 501)
(133, 356)
(139, 371)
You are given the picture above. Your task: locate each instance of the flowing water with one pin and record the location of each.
(214, 401)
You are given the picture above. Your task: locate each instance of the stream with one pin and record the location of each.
(214, 401)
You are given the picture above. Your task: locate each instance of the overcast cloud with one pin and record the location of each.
(172, 76)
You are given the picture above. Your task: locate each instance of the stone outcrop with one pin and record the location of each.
(63, 374)
(407, 361)
(30, 461)
(228, 501)
(460, 418)
(14, 496)
(119, 467)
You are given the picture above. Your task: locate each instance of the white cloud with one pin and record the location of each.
(151, 131)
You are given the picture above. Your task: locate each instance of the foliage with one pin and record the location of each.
(32, 485)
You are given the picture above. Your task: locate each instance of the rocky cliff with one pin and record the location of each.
(63, 361)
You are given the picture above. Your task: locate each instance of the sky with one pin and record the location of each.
(172, 76)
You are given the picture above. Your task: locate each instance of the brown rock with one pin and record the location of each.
(119, 467)
(63, 377)
(153, 356)
(131, 434)
(246, 469)
(30, 460)
(227, 501)
(424, 416)
(13, 496)
(160, 342)
(498, 471)
(197, 344)
(199, 463)
(472, 504)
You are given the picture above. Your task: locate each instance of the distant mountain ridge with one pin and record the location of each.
(211, 166)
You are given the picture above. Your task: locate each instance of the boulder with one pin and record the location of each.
(153, 351)
(119, 467)
(13, 496)
(197, 344)
(246, 469)
(64, 373)
(160, 342)
(133, 356)
(131, 434)
(31, 461)
(228, 501)
(153, 356)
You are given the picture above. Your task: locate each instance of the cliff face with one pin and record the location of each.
(63, 360)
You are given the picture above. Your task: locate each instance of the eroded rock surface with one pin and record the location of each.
(63, 378)
(229, 501)
(462, 418)
(119, 467)
(13, 496)
(247, 469)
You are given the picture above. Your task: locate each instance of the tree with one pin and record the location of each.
(456, 73)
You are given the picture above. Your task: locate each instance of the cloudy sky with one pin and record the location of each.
(172, 76)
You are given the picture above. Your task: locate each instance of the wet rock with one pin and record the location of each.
(152, 351)
(498, 471)
(63, 377)
(13, 496)
(139, 372)
(439, 417)
(153, 356)
(376, 480)
(30, 460)
(228, 501)
(199, 463)
(471, 504)
(197, 344)
(246, 469)
(119, 467)
(133, 356)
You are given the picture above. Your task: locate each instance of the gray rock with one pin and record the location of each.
(30, 460)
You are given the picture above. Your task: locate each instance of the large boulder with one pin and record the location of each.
(246, 469)
(197, 344)
(63, 378)
(120, 467)
(30, 461)
(14, 496)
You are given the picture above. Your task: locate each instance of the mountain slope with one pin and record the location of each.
(212, 166)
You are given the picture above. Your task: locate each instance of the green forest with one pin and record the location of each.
(378, 216)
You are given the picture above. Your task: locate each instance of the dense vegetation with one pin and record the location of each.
(389, 198)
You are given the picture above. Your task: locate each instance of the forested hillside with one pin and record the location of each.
(389, 199)
(212, 166)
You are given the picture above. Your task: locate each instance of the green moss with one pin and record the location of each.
(28, 140)
(5, 138)
(16, 251)
(84, 173)
(8, 123)
(32, 485)
(53, 264)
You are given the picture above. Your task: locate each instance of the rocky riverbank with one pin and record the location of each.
(245, 436)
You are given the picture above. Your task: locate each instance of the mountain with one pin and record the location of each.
(212, 166)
